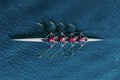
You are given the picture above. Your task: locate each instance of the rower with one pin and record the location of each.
(71, 38)
(82, 39)
(61, 39)
(51, 39)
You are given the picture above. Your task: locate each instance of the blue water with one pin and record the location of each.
(95, 61)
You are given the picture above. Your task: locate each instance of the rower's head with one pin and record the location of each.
(86, 38)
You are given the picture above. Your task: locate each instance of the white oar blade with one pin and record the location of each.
(30, 39)
(93, 40)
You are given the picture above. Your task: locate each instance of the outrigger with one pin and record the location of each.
(52, 39)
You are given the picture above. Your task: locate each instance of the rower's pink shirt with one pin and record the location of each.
(71, 39)
(51, 39)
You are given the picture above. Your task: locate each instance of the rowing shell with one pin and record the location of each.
(46, 40)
